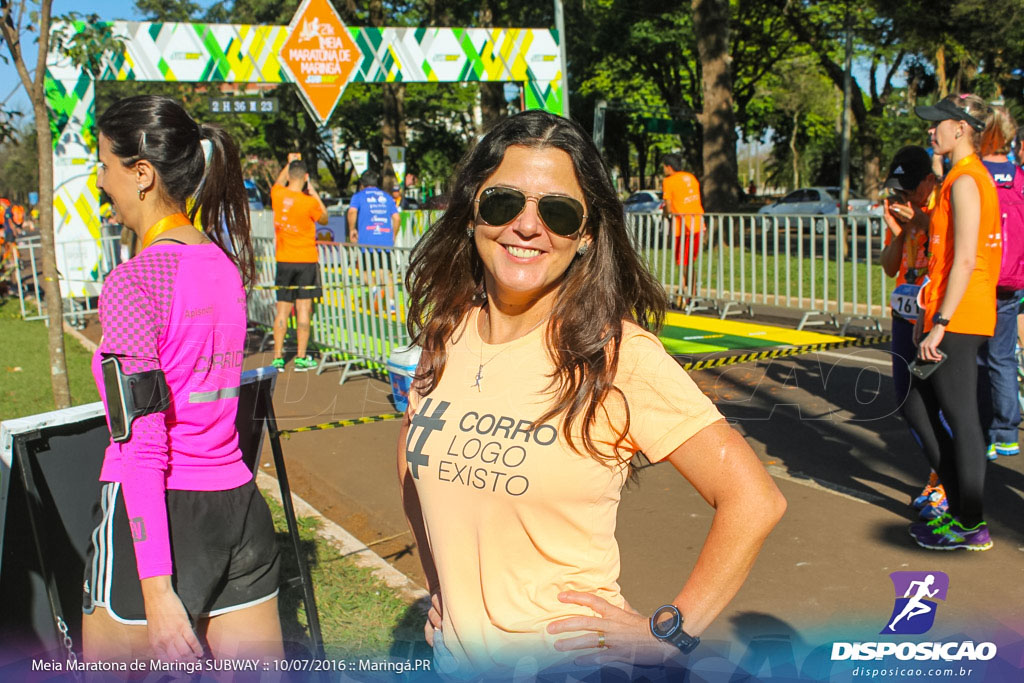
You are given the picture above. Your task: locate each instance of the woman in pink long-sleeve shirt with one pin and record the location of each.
(183, 560)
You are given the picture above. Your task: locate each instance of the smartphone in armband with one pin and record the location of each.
(923, 369)
(130, 396)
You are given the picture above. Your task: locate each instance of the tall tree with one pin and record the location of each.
(658, 44)
(84, 47)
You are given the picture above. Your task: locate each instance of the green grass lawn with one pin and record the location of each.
(25, 367)
(359, 614)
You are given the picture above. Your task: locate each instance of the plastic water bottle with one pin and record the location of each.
(402, 364)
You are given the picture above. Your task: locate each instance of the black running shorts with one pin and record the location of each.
(304, 277)
(222, 544)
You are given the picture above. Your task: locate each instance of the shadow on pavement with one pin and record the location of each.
(838, 425)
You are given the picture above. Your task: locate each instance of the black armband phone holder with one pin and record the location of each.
(129, 397)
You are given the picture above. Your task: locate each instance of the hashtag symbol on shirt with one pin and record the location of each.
(422, 425)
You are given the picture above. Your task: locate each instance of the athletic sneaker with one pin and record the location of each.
(277, 363)
(926, 528)
(937, 504)
(1007, 448)
(303, 364)
(953, 535)
(922, 500)
(991, 452)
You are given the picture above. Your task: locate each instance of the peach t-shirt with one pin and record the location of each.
(512, 514)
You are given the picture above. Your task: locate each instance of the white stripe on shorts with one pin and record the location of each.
(99, 542)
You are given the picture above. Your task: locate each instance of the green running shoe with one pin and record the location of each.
(304, 364)
(277, 363)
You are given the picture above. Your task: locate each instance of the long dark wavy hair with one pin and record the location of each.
(600, 289)
(160, 131)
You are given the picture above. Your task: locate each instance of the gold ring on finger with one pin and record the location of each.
(600, 639)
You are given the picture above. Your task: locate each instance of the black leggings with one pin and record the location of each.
(959, 459)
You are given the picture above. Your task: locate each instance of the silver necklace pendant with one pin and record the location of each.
(479, 378)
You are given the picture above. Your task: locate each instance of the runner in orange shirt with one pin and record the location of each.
(298, 270)
(959, 315)
(681, 192)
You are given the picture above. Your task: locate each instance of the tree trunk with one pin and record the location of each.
(44, 150)
(940, 71)
(393, 130)
(492, 95)
(641, 160)
(793, 150)
(721, 181)
(51, 288)
(871, 151)
(492, 104)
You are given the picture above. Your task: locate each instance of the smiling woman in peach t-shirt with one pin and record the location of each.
(540, 381)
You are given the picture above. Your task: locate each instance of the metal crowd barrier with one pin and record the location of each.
(824, 266)
(81, 271)
(360, 316)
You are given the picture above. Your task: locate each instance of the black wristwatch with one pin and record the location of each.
(667, 625)
(937, 319)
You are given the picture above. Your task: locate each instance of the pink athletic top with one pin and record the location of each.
(180, 308)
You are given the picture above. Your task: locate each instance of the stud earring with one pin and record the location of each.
(583, 249)
(469, 232)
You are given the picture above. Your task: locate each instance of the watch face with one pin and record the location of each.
(665, 621)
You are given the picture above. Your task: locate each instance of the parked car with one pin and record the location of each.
(644, 201)
(824, 202)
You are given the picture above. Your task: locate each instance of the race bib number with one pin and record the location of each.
(904, 301)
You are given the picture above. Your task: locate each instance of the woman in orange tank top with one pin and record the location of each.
(959, 315)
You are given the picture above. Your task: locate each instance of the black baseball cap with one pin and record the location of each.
(909, 167)
(944, 110)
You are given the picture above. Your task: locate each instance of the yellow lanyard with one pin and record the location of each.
(175, 220)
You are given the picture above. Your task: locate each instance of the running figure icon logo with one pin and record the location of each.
(914, 611)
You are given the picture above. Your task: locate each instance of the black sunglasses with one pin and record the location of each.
(500, 205)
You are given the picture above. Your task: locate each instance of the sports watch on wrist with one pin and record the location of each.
(937, 319)
(667, 625)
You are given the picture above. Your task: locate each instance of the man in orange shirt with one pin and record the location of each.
(298, 270)
(681, 193)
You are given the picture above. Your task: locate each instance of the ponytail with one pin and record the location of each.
(158, 129)
(221, 200)
(1000, 130)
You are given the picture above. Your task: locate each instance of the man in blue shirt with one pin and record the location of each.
(373, 220)
(372, 216)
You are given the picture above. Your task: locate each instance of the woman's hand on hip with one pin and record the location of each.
(615, 635)
(170, 632)
(435, 616)
(928, 349)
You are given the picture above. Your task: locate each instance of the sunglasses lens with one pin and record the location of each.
(499, 205)
(562, 215)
